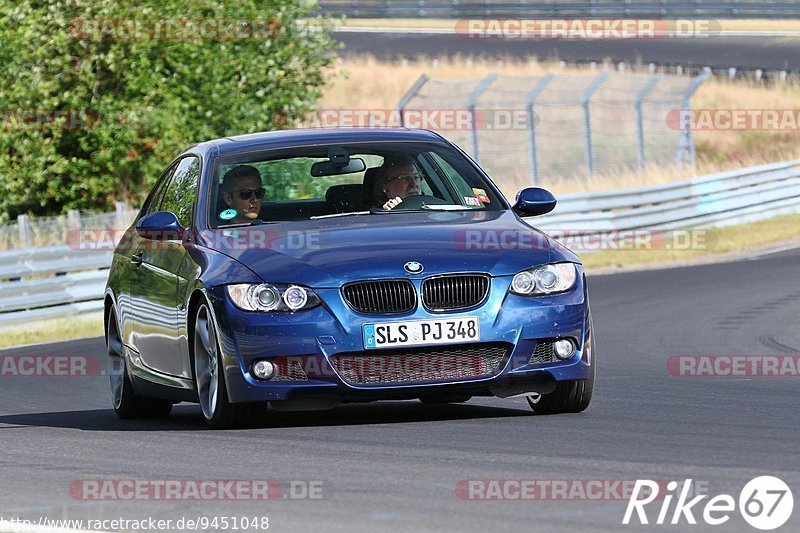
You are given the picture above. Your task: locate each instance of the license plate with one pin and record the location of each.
(421, 332)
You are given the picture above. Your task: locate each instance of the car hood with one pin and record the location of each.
(329, 252)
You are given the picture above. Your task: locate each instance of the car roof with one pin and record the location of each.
(313, 136)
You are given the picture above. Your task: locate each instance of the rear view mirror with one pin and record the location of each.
(335, 168)
(160, 226)
(534, 201)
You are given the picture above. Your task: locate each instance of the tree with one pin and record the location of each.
(101, 95)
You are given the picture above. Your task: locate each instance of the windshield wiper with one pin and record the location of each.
(436, 207)
(424, 207)
(340, 215)
(382, 211)
(256, 222)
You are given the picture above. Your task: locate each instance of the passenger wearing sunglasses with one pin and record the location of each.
(243, 191)
(399, 178)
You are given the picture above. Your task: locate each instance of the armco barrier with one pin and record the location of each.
(50, 282)
(558, 8)
(718, 199)
(59, 281)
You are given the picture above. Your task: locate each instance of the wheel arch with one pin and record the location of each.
(108, 305)
(197, 297)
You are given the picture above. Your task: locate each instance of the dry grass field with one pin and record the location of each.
(367, 83)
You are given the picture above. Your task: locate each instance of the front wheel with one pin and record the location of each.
(209, 377)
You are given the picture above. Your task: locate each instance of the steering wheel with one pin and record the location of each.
(416, 201)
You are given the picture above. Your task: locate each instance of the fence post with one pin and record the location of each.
(472, 101)
(73, 219)
(530, 100)
(411, 93)
(24, 227)
(685, 153)
(587, 118)
(647, 89)
(120, 217)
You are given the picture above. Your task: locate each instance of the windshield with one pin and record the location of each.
(345, 179)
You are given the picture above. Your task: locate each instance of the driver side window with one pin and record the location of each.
(181, 192)
(153, 201)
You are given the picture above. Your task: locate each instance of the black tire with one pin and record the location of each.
(569, 397)
(212, 392)
(127, 404)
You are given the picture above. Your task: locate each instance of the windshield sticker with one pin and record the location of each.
(227, 214)
(481, 194)
(471, 200)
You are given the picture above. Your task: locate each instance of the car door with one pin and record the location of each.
(128, 308)
(160, 336)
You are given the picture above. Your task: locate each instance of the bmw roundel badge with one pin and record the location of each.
(412, 267)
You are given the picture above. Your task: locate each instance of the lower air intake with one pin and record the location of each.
(289, 369)
(544, 353)
(421, 365)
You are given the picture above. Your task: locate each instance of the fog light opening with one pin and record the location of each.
(263, 370)
(564, 348)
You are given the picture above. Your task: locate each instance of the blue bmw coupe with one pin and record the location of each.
(303, 269)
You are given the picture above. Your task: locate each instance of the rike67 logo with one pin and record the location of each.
(766, 503)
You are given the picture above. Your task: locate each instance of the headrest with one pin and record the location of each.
(345, 198)
(370, 196)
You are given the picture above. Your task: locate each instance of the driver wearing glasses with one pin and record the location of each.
(398, 179)
(243, 191)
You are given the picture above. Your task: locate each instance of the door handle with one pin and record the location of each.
(136, 259)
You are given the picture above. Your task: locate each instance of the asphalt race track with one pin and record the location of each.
(752, 52)
(394, 466)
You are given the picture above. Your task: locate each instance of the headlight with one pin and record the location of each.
(546, 279)
(268, 297)
(295, 297)
(523, 283)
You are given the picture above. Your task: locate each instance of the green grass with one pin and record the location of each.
(53, 330)
(712, 242)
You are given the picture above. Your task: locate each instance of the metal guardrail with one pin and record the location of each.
(554, 8)
(719, 199)
(60, 281)
(50, 282)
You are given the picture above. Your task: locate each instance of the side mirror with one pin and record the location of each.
(160, 226)
(534, 201)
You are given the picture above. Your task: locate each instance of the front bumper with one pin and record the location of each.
(333, 329)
